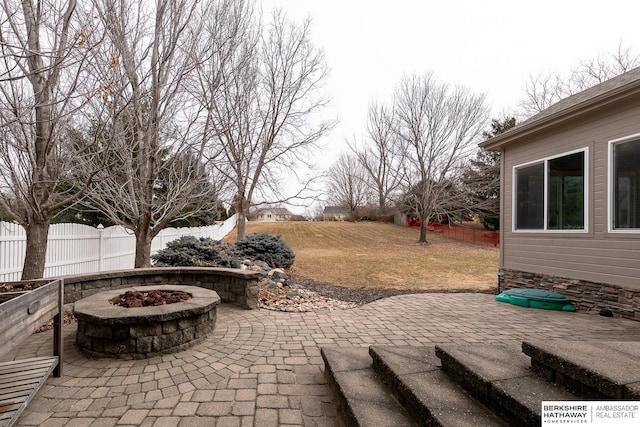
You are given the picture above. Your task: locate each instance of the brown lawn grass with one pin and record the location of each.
(375, 255)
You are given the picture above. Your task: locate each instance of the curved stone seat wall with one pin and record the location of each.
(232, 285)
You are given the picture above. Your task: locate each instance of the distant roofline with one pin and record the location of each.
(274, 210)
(335, 210)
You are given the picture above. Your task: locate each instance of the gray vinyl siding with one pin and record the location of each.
(597, 256)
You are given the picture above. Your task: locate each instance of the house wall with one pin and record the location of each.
(596, 256)
(272, 216)
(334, 217)
(621, 301)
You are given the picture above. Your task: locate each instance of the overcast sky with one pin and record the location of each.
(489, 46)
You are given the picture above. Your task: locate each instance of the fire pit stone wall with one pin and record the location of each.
(233, 285)
(108, 330)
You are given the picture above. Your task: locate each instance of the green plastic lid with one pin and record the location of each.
(538, 295)
(536, 298)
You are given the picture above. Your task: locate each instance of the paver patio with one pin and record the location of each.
(264, 368)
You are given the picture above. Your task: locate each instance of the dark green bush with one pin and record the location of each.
(265, 247)
(190, 251)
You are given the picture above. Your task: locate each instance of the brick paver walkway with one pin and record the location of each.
(264, 368)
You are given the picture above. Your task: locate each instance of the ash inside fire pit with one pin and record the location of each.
(151, 298)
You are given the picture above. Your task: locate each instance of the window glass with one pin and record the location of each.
(550, 195)
(530, 197)
(626, 192)
(565, 192)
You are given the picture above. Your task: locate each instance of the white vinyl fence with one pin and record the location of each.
(77, 248)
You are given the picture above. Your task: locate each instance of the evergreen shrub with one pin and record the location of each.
(266, 247)
(190, 251)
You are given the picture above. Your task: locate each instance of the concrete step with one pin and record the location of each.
(363, 399)
(432, 398)
(593, 369)
(499, 376)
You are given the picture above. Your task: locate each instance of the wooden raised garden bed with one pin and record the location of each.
(21, 314)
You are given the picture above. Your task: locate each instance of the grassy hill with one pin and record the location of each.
(387, 256)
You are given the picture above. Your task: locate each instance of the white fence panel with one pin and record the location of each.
(77, 248)
(71, 249)
(13, 245)
(118, 248)
(216, 232)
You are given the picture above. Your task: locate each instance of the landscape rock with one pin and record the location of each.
(277, 274)
(294, 298)
(263, 265)
(277, 292)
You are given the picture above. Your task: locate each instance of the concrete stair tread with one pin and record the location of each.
(414, 374)
(478, 384)
(500, 377)
(407, 359)
(612, 368)
(490, 361)
(365, 399)
(530, 391)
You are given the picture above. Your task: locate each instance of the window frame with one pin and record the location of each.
(545, 162)
(610, 185)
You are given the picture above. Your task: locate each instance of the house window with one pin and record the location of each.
(550, 194)
(625, 191)
(530, 197)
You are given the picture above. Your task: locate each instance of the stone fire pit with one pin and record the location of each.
(108, 330)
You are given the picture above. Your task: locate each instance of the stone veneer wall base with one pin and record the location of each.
(232, 285)
(586, 296)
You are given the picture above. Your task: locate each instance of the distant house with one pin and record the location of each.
(570, 198)
(335, 213)
(272, 214)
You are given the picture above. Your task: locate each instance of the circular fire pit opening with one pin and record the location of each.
(108, 330)
(150, 298)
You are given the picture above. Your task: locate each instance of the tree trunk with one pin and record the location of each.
(143, 248)
(424, 220)
(34, 260)
(241, 224)
(242, 210)
(382, 203)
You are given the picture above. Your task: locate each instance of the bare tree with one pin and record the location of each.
(264, 111)
(314, 211)
(438, 126)
(152, 127)
(381, 155)
(546, 89)
(347, 184)
(42, 53)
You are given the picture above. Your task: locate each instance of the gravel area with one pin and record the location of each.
(295, 298)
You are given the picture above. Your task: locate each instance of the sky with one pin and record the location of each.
(489, 46)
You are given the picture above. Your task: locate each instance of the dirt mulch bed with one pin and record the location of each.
(365, 296)
(17, 287)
